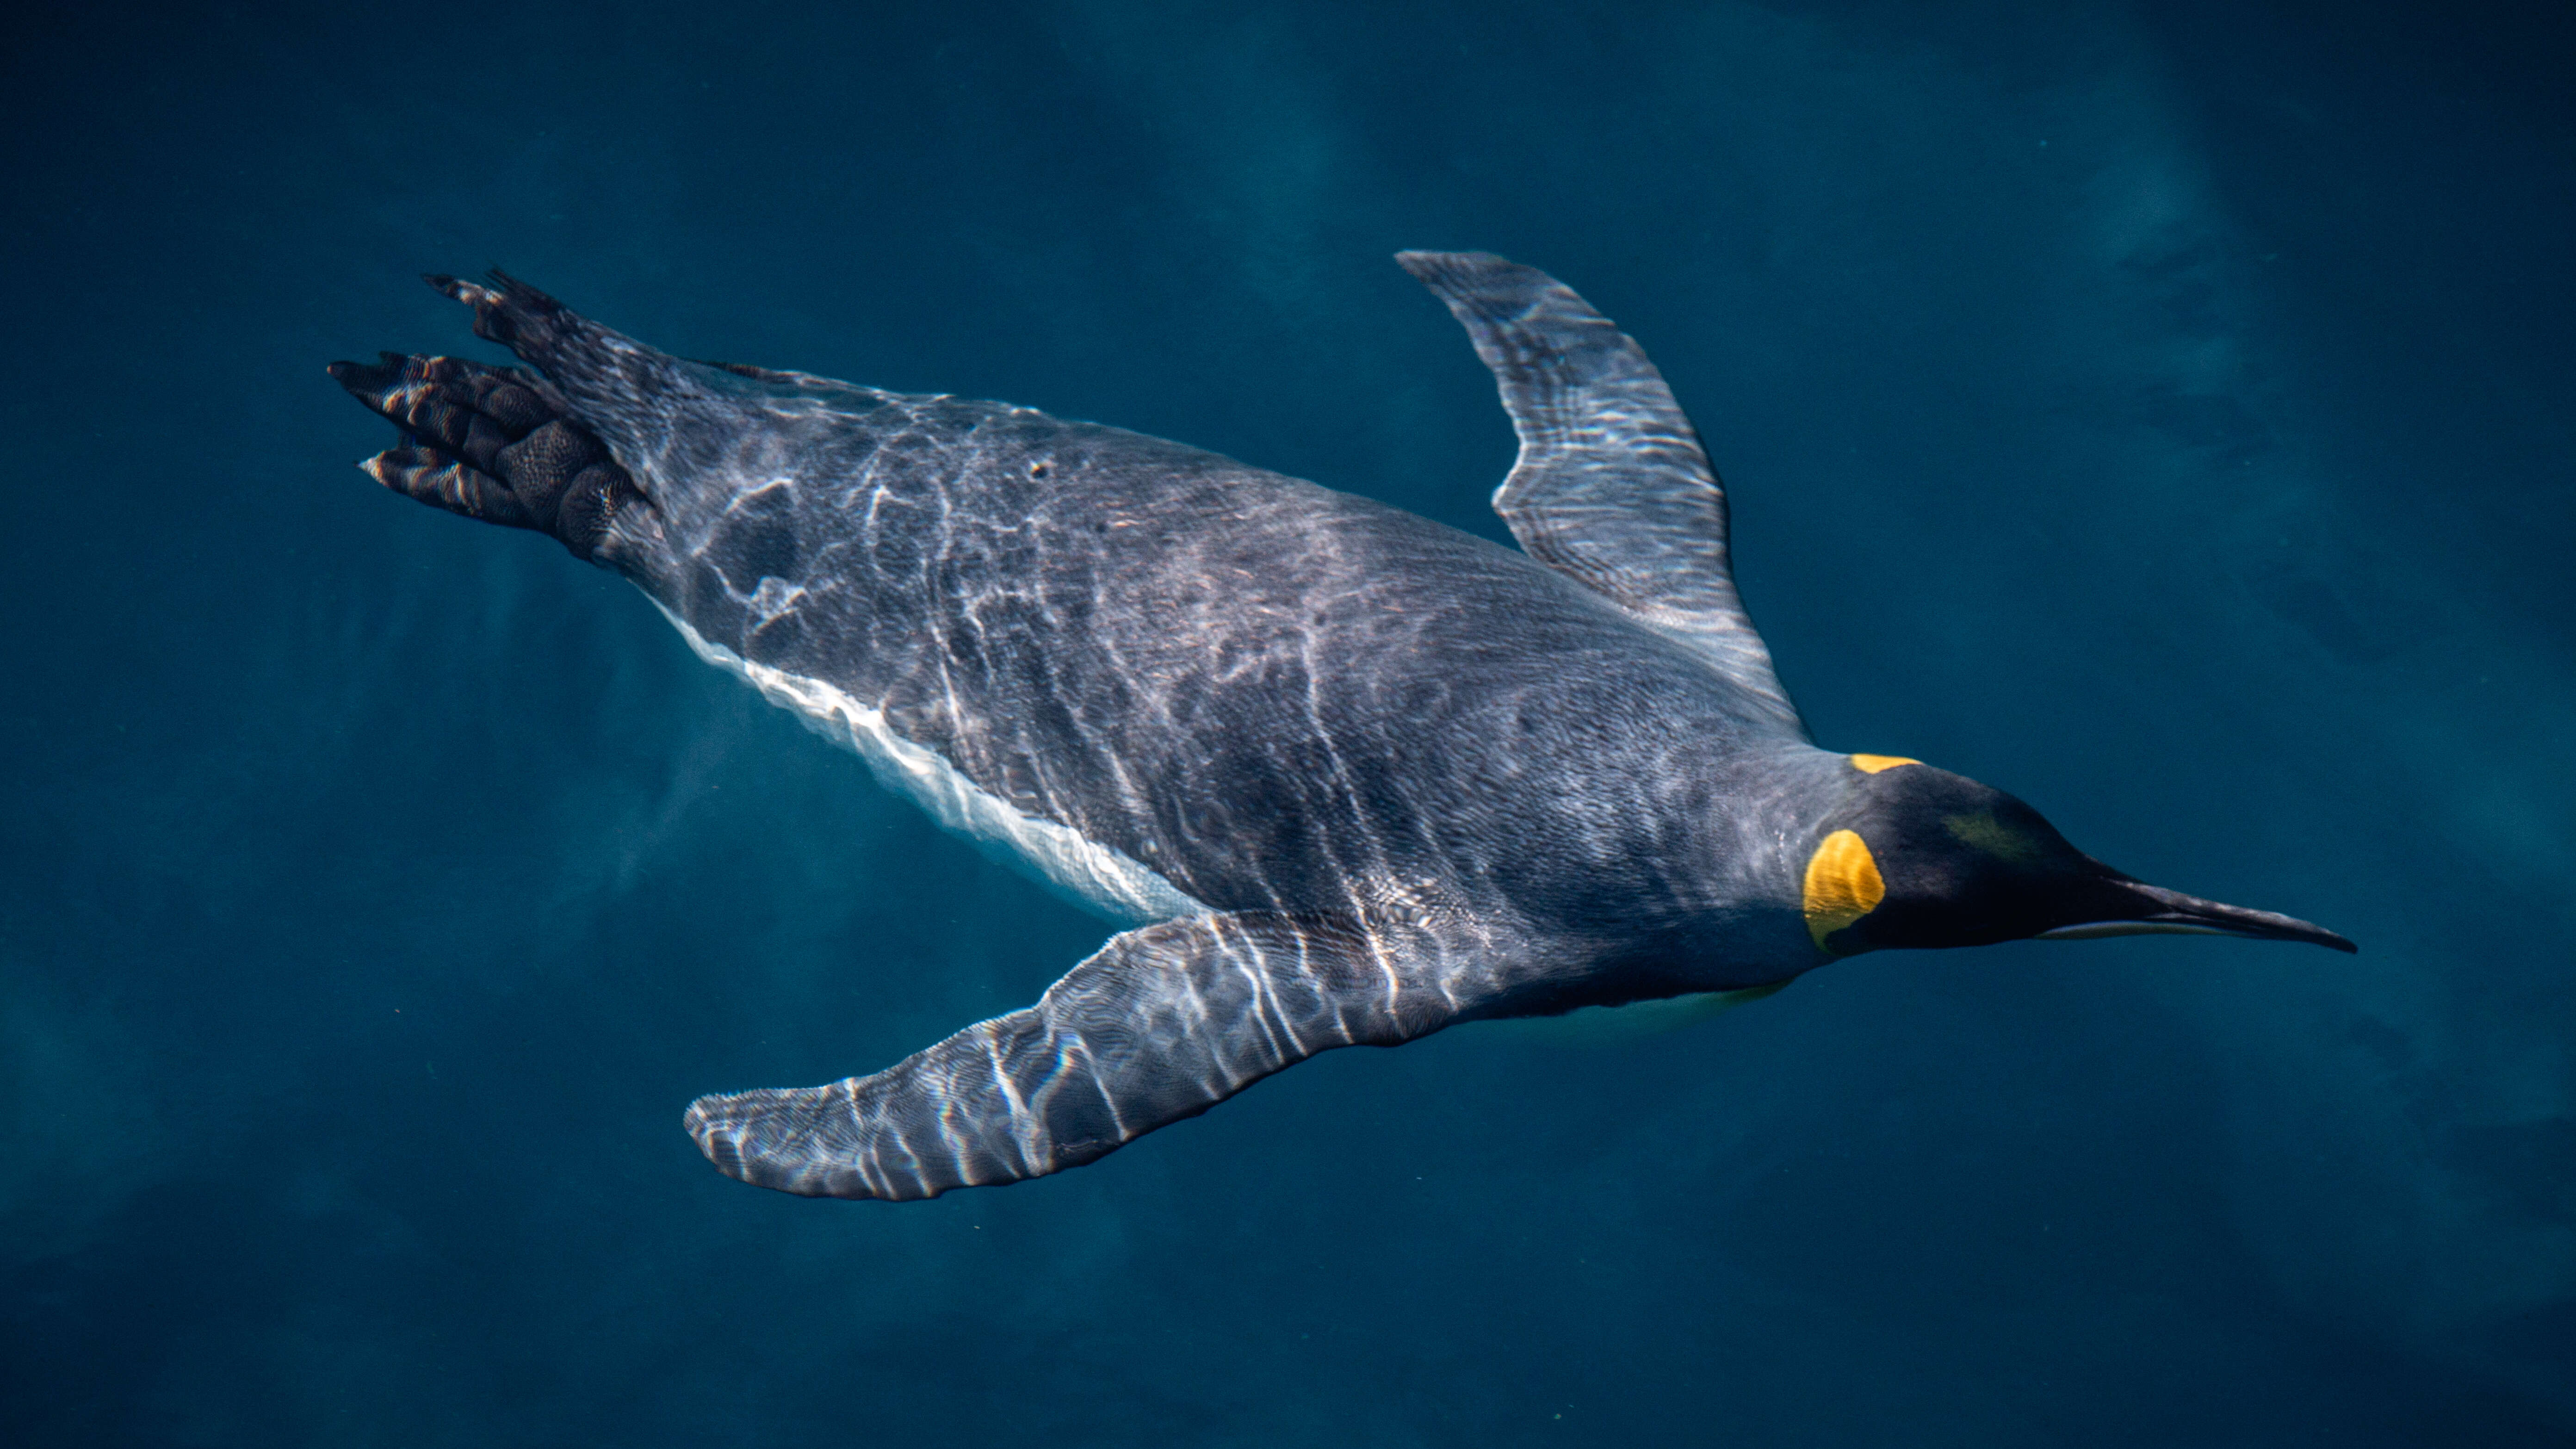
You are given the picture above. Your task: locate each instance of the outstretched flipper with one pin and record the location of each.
(490, 443)
(1163, 1023)
(1612, 486)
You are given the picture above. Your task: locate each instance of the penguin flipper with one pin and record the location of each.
(1612, 486)
(1161, 1023)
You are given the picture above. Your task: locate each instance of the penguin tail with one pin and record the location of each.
(615, 385)
(509, 311)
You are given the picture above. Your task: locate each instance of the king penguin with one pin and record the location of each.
(1344, 776)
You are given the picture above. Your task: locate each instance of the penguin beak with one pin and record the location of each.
(2141, 910)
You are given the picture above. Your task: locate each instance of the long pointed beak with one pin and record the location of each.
(2150, 910)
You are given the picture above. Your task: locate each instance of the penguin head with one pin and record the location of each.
(1917, 856)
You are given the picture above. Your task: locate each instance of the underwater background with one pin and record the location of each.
(2165, 412)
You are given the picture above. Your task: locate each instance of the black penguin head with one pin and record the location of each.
(1922, 857)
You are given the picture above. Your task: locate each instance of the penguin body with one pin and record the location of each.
(1347, 776)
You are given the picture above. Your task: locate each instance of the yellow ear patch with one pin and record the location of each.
(1872, 764)
(1843, 884)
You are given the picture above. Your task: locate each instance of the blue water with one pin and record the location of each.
(2159, 411)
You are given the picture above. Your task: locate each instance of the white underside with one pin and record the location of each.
(1616, 1026)
(1096, 876)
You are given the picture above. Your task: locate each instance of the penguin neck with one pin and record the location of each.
(1745, 924)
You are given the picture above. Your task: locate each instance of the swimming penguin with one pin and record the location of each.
(1345, 776)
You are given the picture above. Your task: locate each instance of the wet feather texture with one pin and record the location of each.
(2155, 410)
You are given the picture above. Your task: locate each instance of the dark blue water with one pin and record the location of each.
(2162, 412)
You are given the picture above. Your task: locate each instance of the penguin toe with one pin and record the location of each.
(445, 481)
